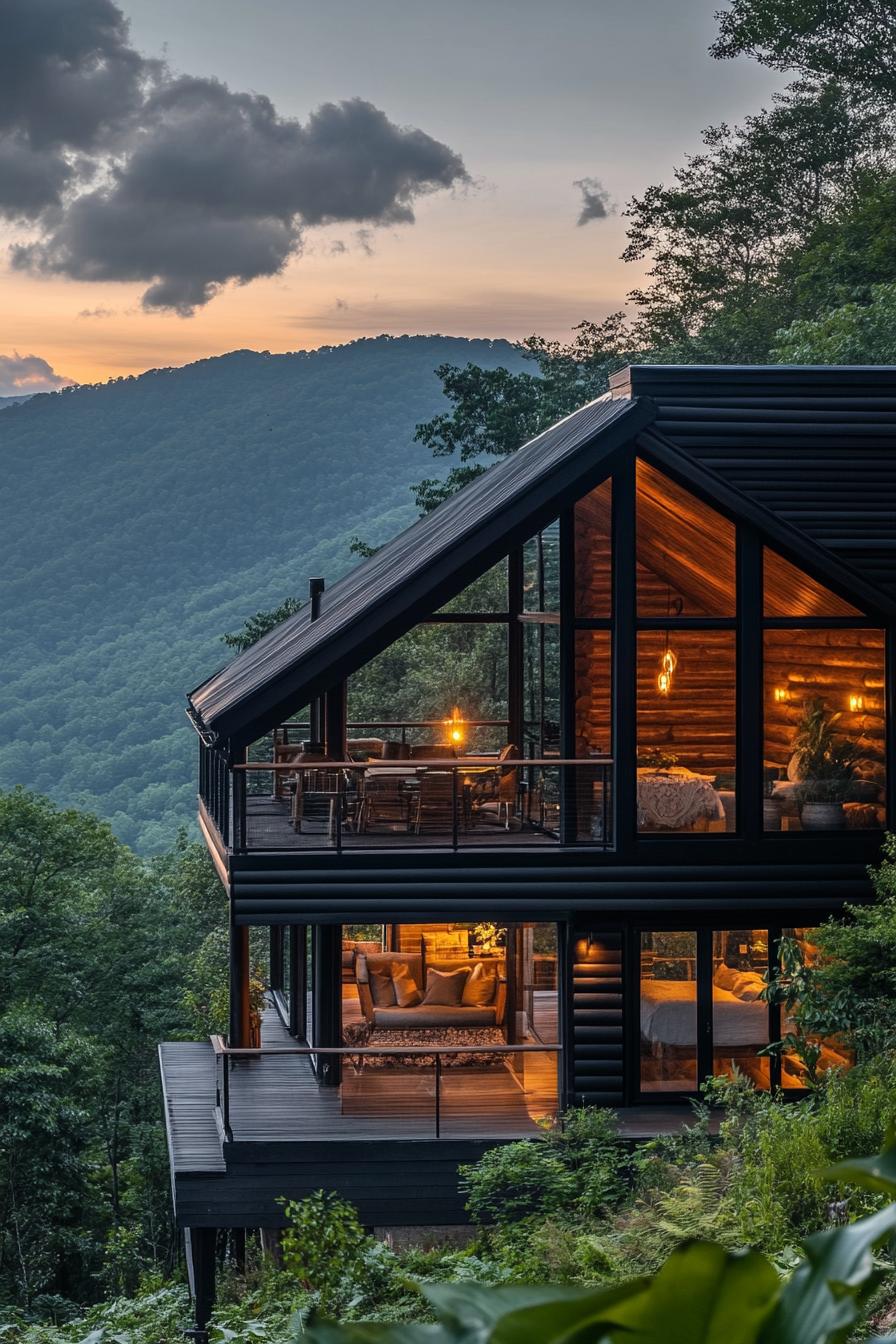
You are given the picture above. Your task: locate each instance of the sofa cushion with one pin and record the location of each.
(382, 989)
(480, 987)
(407, 995)
(424, 1016)
(445, 989)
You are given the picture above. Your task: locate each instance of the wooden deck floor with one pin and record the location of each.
(268, 826)
(279, 1100)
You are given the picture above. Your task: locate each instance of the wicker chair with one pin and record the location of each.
(383, 800)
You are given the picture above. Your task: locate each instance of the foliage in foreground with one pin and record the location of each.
(703, 1292)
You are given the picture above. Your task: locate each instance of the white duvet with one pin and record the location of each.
(668, 1015)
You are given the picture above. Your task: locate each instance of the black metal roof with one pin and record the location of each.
(419, 570)
(804, 453)
(815, 445)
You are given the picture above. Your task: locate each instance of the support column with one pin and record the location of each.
(515, 649)
(239, 986)
(199, 1244)
(276, 957)
(327, 992)
(297, 979)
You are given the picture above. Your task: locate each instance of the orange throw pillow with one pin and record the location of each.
(382, 989)
(479, 991)
(407, 995)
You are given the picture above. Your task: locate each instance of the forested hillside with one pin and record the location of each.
(141, 519)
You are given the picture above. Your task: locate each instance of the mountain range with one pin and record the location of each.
(142, 518)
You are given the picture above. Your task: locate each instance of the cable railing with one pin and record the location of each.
(390, 1091)
(442, 801)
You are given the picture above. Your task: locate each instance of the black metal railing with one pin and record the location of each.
(215, 789)
(434, 1091)
(451, 802)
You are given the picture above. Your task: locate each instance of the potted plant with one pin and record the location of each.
(257, 1000)
(825, 766)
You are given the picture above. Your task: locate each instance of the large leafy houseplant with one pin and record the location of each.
(703, 1294)
(825, 759)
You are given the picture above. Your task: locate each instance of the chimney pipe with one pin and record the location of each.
(315, 588)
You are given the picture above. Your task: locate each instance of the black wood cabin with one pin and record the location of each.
(674, 573)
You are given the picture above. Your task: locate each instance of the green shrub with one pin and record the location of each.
(515, 1181)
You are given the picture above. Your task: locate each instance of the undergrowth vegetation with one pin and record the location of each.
(578, 1208)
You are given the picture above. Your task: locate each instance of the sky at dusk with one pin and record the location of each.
(475, 189)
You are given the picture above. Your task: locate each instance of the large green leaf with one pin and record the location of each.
(874, 1173)
(820, 1304)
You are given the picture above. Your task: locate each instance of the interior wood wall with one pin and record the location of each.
(833, 664)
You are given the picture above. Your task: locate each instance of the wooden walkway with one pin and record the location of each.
(188, 1087)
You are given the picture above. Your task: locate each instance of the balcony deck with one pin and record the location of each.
(279, 1100)
(269, 827)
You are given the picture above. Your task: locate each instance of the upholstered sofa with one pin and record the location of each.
(391, 1016)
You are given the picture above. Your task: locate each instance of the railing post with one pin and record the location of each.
(438, 1094)
(225, 1110)
(454, 807)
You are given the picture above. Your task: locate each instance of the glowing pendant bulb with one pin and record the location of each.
(668, 664)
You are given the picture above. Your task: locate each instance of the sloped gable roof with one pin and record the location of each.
(422, 567)
(427, 564)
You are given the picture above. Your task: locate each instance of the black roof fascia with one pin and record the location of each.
(796, 545)
(384, 601)
(769, 380)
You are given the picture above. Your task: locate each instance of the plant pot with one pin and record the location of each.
(771, 815)
(822, 817)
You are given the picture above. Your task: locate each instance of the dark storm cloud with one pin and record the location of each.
(200, 185)
(596, 202)
(28, 373)
(68, 81)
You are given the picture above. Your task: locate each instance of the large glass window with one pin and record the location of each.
(409, 693)
(685, 551)
(740, 1016)
(686, 730)
(824, 729)
(668, 1012)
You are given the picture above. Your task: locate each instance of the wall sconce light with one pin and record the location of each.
(782, 695)
(455, 727)
(856, 704)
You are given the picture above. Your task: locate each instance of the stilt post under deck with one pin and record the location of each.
(199, 1244)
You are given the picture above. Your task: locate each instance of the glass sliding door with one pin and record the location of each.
(668, 1012)
(740, 1017)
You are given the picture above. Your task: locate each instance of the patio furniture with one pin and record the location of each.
(373, 973)
(502, 806)
(433, 808)
(384, 800)
(433, 751)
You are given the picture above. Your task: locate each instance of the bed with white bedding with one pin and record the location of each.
(669, 1016)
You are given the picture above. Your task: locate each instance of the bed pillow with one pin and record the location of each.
(748, 986)
(725, 977)
(479, 991)
(407, 995)
(444, 989)
(382, 990)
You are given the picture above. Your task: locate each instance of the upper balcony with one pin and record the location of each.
(653, 664)
(410, 785)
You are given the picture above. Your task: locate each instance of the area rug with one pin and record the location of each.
(361, 1034)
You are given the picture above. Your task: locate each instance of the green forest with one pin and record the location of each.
(142, 519)
(145, 518)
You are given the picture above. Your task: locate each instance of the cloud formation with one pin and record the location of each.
(28, 374)
(596, 203)
(183, 184)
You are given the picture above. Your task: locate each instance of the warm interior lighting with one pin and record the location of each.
(455, 727)
(856, 703)
(668, 664)
(782, 695)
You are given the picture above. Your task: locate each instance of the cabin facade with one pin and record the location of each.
(516, 813)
